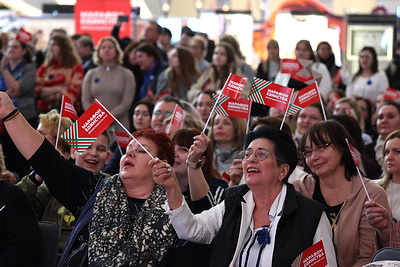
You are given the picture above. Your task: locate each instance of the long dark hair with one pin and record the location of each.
(230, 66)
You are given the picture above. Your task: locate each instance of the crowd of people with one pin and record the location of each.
(219, 190)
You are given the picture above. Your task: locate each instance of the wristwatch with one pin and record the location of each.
(193, 165)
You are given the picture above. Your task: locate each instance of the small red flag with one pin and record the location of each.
(233, 86)
(67, 109)
(88, 127)
(313, 256)
(227, 106)
(24, 36)
(270, 94)
(303, 98)
(391, 94)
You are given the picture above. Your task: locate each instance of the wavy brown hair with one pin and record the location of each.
(68, 57)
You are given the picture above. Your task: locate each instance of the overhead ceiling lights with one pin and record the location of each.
(22, 7)
(66, 2)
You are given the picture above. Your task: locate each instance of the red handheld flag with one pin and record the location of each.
(355, 154)
(303, 98)
(391, 94)
(88, 127)
(67, 109)
(313, 256)
(270, 94)
(233, 86)
(23, 35)
(298, 69)
(231, 107)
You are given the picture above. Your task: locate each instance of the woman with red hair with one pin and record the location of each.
(121, 219)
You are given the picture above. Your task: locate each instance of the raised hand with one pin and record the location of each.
(163, 174)
(198, 147)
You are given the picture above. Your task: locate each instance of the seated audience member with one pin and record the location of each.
(391, 175)
(93, 159)
(349, 106)
(367, 114)
(334, 183)
(304, 119)
(129, 203)
(227, 136)
(19, 232)
(198, 47)
(213, 79)
(256, 221)
(387, 122)
(201, 186)
(163, 109)
(181, 74)
(150, 62)
(245, 68)
(204, 104)
(165, 40)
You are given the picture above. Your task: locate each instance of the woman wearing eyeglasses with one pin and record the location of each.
(335, 184)
(261, 223)
(368, 81)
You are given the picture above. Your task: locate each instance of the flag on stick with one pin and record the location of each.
(88, 127)
(356, 155)
(67, 108)
(303, 98)
(177, 118)
(233, 86)
(313, 256)
(227, 106)
(270, 94)
(298, 69)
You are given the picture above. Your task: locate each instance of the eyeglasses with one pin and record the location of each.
(320, 148)
(159, 113)
(260, 154)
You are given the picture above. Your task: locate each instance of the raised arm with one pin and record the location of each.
(27, 139)
(197, 182)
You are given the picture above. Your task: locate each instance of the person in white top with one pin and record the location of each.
(261, 223)
(368, 81)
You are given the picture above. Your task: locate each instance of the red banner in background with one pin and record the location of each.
(97, 18)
